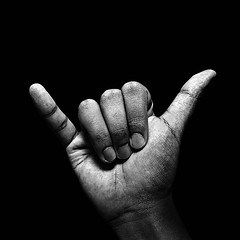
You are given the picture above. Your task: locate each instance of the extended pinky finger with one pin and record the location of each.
(47, 107)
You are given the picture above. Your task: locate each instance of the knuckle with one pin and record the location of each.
(86, 104)
(131, 87)
(109, 94)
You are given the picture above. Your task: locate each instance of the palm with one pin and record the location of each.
(147, 172)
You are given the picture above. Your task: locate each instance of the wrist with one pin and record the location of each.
(155, 220)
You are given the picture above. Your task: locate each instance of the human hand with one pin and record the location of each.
(122, 181)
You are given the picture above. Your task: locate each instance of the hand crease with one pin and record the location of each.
(78, 162)
(185, 91)
(170, 128)
(62, 125)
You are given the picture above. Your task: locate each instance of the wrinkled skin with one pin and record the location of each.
(126, 186)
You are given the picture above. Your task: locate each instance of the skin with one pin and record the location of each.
(136, 183)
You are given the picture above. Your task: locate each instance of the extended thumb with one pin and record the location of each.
(182, 106)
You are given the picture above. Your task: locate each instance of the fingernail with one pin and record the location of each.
(137, 141)
(109, 154)
(124, 151)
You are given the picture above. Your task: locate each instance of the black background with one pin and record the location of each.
(79, 61)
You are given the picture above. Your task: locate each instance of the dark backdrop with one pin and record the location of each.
(76, 64)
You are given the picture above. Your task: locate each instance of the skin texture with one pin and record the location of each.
(135, 181)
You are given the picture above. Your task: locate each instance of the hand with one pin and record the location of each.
(124, 156)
